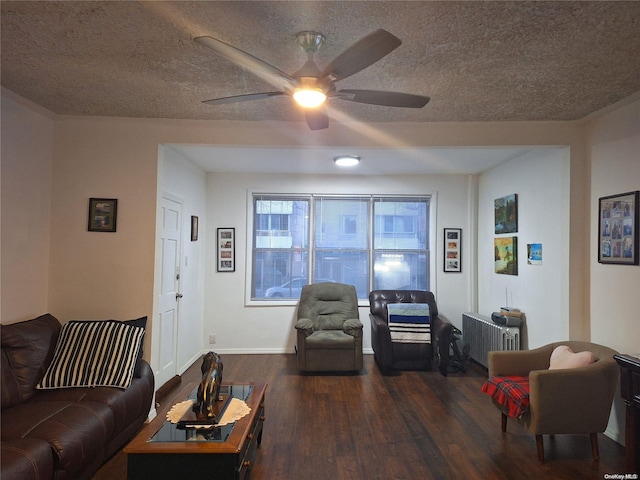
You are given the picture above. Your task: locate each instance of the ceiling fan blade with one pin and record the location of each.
(258, 67)
(317, 118)
(361, 54)
(242, 98)
(378, 97)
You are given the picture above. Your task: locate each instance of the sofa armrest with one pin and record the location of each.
(518, 362)
(305, 326)
(441, 339)
(379, 324)
(352, 327)
(381, 342)
(586, 393)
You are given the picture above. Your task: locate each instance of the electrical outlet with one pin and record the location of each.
(212, 339)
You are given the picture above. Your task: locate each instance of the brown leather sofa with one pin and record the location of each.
(64, 433)
(408, 356)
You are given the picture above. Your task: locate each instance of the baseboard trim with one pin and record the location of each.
(264, 351)
(167, 387)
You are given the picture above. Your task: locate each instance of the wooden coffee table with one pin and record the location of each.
(163, 451)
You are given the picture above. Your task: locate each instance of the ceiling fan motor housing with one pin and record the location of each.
(310, 41)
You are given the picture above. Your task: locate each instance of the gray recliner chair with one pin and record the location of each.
(329, 331)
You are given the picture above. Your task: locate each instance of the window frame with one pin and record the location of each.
(431, 245)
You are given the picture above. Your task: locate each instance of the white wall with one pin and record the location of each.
(247, 328)
(186, 181)
(27, 139)
(540, 179)
(614, 143)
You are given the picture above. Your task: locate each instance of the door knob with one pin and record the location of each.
(178, 296)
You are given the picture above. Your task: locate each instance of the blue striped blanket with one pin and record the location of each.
(409, 322)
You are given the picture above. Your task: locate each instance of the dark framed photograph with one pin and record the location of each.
(618, 229)
(452, 250)
(226, 250)
(506, 214)
(194, 228)
(103, 213)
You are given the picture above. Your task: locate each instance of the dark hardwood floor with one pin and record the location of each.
(413, 426)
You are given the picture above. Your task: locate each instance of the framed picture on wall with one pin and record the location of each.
(506, 214)
(506, 255)
(226, 250)
(102, 214)
(453, 250)
(618, 229)
(194, 228)
(534, 254)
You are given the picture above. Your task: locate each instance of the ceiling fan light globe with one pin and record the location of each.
(309, 98)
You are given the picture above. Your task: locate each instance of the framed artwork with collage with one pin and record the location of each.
(226, 240)
(453, 250)
(618, 229)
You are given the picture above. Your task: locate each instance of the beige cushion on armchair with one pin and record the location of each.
(565, 400)
(329, 331)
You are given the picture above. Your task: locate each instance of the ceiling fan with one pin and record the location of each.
(310, 86)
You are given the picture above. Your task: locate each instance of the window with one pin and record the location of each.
(371, 242)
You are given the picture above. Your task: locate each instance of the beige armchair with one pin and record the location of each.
(570, 401)
(329, 332)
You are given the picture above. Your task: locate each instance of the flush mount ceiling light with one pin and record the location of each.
(346, 160)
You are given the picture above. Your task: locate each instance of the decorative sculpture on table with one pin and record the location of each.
(209, 388)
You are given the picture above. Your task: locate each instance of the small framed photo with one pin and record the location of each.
(226, 250)
(618, 229)
(453, 250)
(534, 254)
(194, 228)
(102, 214)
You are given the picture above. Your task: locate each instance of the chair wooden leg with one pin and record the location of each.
(594, 447)
(504, 422)
(540, 446)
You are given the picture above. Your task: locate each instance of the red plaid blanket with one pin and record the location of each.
(511, 392)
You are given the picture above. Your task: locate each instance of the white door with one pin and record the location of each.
(169, 290)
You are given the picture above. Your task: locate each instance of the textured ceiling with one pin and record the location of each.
(478, 61)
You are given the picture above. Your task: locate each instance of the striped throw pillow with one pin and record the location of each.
(94, 354)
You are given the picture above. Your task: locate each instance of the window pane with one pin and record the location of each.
(400, 271)
(400, 224)
(343, 266)
(279, 274)
(280, 253)
(341, 223)
(281, 223)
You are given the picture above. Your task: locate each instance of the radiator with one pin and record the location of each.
(484, 335)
